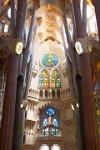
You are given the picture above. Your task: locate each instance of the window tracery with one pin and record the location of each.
(55, 80)
(44, 79)
(49, 60)
(50, 122)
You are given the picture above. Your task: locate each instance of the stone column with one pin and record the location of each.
(7, 123)
(96, 4)
(87, 97)
(81, 117)
(77, 15)
(72, 70)
(89, 113)
(23, 78)
(19, 116)
(28, 76)
(19, 113)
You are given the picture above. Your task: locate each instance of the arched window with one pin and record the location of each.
(55, 147)
(44, 147)
(46, 93)
(41, 93)
(44, 79)
(58, 93)
(9, 12)
(45, 122)
(55, 80)
(6, 27)
(50, 122)
(53, 93)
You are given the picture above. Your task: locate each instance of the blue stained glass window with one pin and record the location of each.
(45, 122)
(49, 60)
(50, 123)
(55, 122)
(50, 112)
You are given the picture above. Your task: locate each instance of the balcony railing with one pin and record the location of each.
(49, 93)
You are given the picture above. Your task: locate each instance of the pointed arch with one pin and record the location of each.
(44, 147)
(49, 116)
(55, 79)
(55, 147)
(44, 79)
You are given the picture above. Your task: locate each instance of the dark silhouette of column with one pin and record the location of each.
(22, 90)
(18, 131)
(72, 69)
(7, 123)
(19, 116)
(81, 116)
(88, 104)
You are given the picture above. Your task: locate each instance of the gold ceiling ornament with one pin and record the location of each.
(49, 23)
(50, 31)
(90, 2)
(98, 66)
(49, 7)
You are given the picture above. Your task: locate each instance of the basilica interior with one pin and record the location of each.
(49, 75)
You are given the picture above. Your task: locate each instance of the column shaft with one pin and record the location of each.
(9, 104)
(81, 116)
(18, 134)
(19, 117)
(87, 105)
(7, 123)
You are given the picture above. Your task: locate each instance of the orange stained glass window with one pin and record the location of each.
(55, 80)
(44, 79)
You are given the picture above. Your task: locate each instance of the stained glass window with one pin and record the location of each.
(53, 131)
(55, 81)
(50, 112)
(45, 122)
(44, 79)
(49, 60)
(50, 118)
(55, 122)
